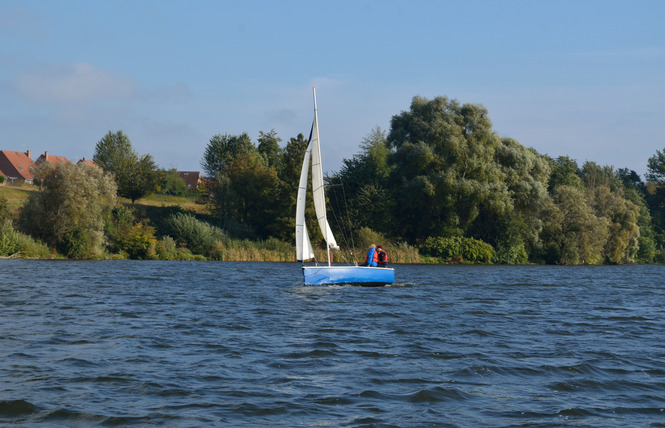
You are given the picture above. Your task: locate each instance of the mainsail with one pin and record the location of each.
(303, 246)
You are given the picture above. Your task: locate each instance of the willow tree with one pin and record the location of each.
(69, 209)
(655, 195)
(516, 234)
(573, 234)
(445, 172)
(606, 193)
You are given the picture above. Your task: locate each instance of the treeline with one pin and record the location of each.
(439, 186)
(443, 182)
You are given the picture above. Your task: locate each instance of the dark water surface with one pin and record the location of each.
(245, 344)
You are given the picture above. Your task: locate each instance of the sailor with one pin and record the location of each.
(372, 257)
(382, 257)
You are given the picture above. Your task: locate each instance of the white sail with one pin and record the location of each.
(304, 249)
(312, 275)
(317, 182)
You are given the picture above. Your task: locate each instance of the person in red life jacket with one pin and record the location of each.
(382, 260)
(372, 257)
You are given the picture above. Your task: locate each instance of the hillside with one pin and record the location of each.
(17, 195)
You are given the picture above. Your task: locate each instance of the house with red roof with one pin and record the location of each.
(191, 178)
(17, 167)
(53, 160)
(86, 161)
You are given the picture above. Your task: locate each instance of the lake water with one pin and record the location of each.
(195, 344)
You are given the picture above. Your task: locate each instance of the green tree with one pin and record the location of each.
(655, 197)
(656, 167)
(222, 149)
(245, 185)
(630, 179)
(69, 209)
(359, 191)
(171, 183)
(143, 179)
(565, 171)
(445, 173)
(459, 249)
(269, 147)
(135, 176)
(571, 231)
(246, 193)
(114, 153)
(635, 191)
(605, 191)
(623, 229)
(647, 248)
(288, 178)
(516, 233)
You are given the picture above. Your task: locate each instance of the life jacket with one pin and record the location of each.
(382, 256)
(375, 258)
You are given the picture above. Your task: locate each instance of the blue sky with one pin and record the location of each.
(583, 78)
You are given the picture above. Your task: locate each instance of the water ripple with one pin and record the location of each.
(230, 344)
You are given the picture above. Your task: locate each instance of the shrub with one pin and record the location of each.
(32, 248)
(4, 208)
(402, 252)
(167, 249)
(74, 244)
(137, 241)
(14, 242)
(199, 236)
(9, 239)
(459, 249)
(171, 183)
(511, 254)
(121, 219)
(134, 239)
(274, 244)
(366, 236)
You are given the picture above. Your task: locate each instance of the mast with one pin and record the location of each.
(317, 184)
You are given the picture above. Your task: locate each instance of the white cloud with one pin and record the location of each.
(79, 83)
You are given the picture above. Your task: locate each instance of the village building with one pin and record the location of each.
(86, 161)
(192, 179)
(16, 167)
(53, 160)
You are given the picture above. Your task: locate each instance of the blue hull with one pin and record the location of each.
(355, 275)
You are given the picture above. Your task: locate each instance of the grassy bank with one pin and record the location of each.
(16, 197)
(155, 209)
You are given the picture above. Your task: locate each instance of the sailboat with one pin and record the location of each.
(326, 274)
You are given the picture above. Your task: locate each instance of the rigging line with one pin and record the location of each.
(348, 218)
(340, 223)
